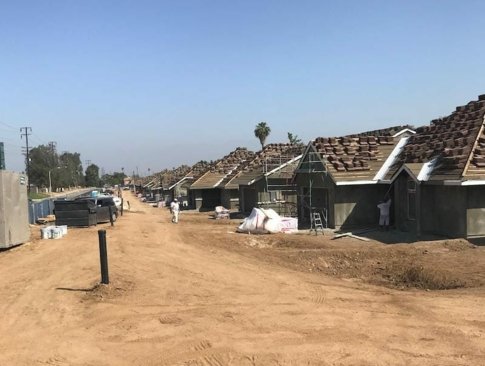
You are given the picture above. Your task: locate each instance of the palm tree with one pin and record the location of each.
(294, 140)
(262, 131)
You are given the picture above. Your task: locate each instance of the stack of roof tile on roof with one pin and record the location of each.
(198, 169)
(223, 169)
(356, 157)
(389, 131)
(270, 157)
(457, 141)
(194, 173)
(167, 177)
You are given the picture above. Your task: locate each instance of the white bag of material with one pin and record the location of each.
(261, 221)
(272, 223)
(289, 225)
(254, 224)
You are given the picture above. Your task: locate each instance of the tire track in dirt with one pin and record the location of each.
(201, 353)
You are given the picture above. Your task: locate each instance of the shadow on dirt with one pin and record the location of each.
(77, 289)
(477, 241)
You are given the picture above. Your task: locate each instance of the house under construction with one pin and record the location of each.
(210, 189)
(267, 179)
(341, 177)
(438, 178)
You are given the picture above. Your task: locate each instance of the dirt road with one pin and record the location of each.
(180, 296)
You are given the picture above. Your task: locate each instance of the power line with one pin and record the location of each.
(26, 133)
(7, 125)
(12, 141)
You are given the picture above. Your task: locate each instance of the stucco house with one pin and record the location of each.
(267, 179)
(438, 178)
(209, 190)
(180, 185)
(341, 177)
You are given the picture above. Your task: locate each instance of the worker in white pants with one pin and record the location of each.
(384, 208)
(175, 209)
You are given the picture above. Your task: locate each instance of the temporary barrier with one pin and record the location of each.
(75, 213)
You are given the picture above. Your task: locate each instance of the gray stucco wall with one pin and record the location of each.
(348, 206)
(356, 205)
(230, 198)
(400, 205)
(475, 213)
(248, 198)
(443, 210)
(197, 197)
(322, 195)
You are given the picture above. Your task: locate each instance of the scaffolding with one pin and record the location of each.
(279, 186)
(314, 168)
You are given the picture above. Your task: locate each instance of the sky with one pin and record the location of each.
(148, 85)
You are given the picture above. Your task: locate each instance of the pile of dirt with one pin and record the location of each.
(418, 276)
(101, 292)
(429, 265)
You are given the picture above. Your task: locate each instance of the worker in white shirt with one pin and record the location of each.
(175, 210)
(384, 208)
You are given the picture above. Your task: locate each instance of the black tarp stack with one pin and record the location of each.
(75, 213)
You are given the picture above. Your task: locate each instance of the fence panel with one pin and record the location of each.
(40, 209)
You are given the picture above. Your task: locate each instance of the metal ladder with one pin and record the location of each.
(316, 223)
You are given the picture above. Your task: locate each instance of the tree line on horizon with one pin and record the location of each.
(48, 168)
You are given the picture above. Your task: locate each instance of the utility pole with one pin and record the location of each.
(2, 157)
(133, 181)
(25, 133)
(88, 162)
(52, 146)
(53, 149)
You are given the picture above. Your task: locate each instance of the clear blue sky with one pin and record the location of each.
(156, 84)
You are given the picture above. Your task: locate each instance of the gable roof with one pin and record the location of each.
(197, 170)
(456, 143)
(269, 159)
(357, 157)
(223, 170)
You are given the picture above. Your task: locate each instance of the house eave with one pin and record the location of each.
(464, 182)
(356, 182)
(179, 182)
(391, 159)
(404, 131)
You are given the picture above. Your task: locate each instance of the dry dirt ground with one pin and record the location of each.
(197, 293)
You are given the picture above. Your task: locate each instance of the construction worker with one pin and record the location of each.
(384, 208)
(175, 210)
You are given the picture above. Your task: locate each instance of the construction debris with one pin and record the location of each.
(47, 219)
(349, 234)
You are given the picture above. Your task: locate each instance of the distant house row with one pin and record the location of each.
(434, 174)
